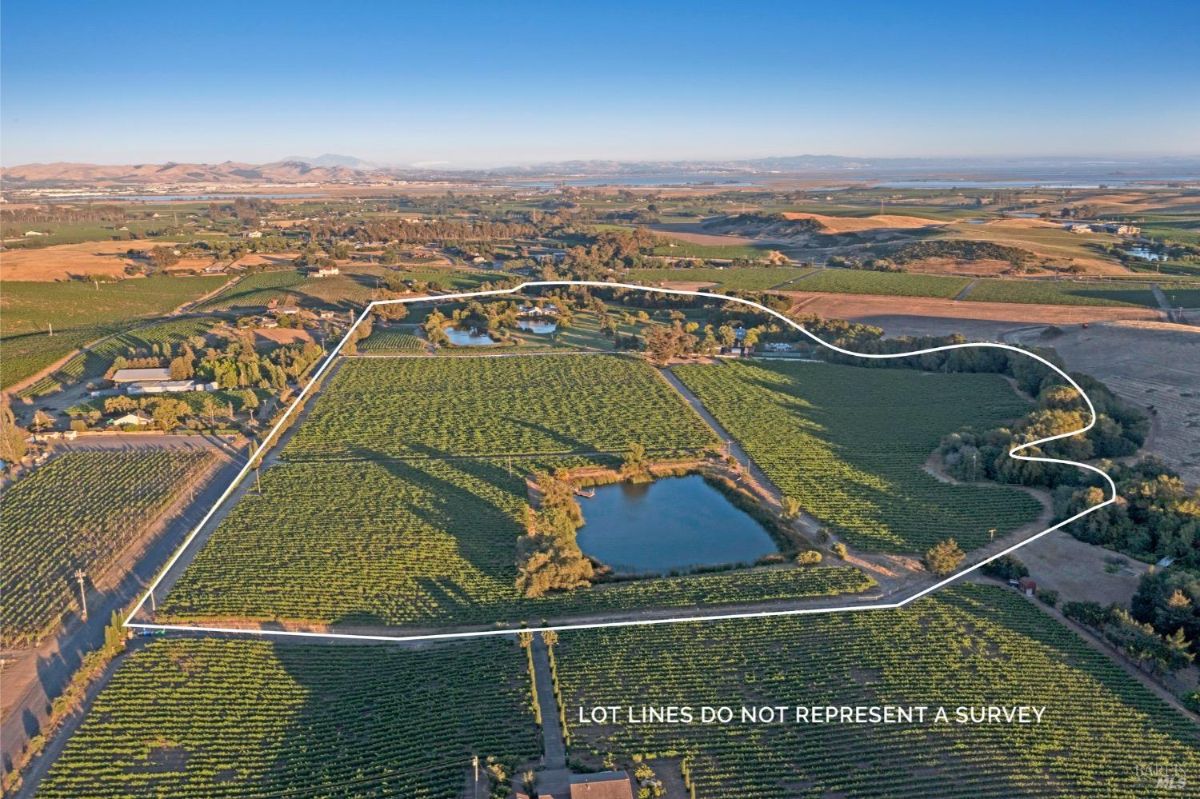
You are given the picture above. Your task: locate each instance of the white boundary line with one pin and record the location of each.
(266, 443)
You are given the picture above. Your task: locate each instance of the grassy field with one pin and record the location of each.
(79, 511)
(496, 406)
(853, 281)
(849, 442)
(1060, 292)
(244, 719)
(423, 541)
(968, 646)
(749, 278)
(1181, 295)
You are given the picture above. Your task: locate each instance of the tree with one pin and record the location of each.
(181, 368)
(809, 557)
(12, 437)
(944, 557)
(168, 412)
(791, 508)
(210, 408)
(42, 420)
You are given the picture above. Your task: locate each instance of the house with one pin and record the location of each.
(215, 269)
(1122, 229)
(35, 233)
(1077, 227)
(1028, 587)
(141, 375)
(132, 419)
(325, 271)
(778, 346)
(253, 234)
(287, 310)
(602, 785)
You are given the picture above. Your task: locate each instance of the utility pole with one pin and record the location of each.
(80, 576)
(475, 785)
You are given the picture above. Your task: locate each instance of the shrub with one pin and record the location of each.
(809, 558)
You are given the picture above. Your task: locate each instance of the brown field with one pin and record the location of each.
(1023, 223)
(687, 285)
(853, 224)
(1047, 241)
(1152, 364)
(64, 261)
(690, 233)
(267, 259)
(868, 308)
(281, 335)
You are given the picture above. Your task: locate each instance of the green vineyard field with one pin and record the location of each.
(849, 443)
(79, 511)
(435, 407)
(1102, 735)
(421, 541)
(213, 719)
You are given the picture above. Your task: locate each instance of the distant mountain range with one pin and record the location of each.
(332, 168)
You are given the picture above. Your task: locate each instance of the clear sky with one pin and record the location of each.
(493, 83)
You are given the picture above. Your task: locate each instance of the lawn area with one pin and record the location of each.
(966, 646)
(250, 719)
(829, 436)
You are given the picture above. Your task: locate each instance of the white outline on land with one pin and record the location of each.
(266, 444)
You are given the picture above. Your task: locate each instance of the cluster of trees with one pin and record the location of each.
(1156, 515)
(548, 556)
(238, 364)
(1169, 601)
(610, 249)
(958, 249)
(1005, 568)
(405, 231)
(1139, 641)
(871, 264)
(168, 412)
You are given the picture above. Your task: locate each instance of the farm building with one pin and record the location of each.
(135, 418)
(602, 785)
(1028, 586)
(325, 271)
(169, 387)
(141, 375)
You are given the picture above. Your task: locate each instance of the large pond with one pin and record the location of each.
(468, 338)
(678, 523)
(539, 326)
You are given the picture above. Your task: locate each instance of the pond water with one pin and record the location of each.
(677, 523)
(1145, 254)
(468, 338)
(539, 326)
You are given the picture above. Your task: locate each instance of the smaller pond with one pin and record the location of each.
(539, 326)
(677, 523)
(468, 338)
(1145, 253)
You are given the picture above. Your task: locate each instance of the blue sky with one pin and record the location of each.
(473, 84)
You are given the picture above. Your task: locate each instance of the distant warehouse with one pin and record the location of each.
(156, 381)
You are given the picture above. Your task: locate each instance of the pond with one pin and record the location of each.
(468, 338)
(677, 523)
(538, 326)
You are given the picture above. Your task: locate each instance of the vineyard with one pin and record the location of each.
(750, 278)
(1103, 733)
(896, 284)
(434, 407)
(79, 312)
(96, 360)
(256, 290)
(421, 541)
(391, 340)
(1064, 292)
(216, 718)
(79, 511)
(828, 436)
